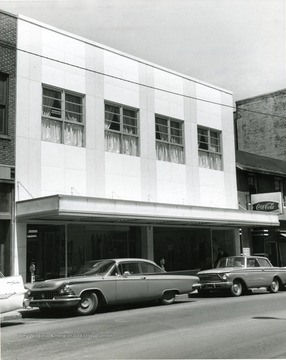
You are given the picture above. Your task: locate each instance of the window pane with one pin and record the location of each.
(3, 90)
(130, 125)
(52, 103)
(124, 122)
(214, 141)
(150, 268)
(161, 129)
(203, 139)
(74, 109)
(2, 120)
(129, 113)
(112, 117)
(176, 132)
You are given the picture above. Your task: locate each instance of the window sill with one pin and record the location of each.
(5, 137)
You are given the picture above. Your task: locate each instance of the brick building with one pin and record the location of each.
(8, 38)
(262, 130)
(261, 168)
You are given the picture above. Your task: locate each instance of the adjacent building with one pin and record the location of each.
(8, 39)
(261, 169)
(119, 157)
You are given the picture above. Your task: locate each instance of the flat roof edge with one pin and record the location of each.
(118, 52)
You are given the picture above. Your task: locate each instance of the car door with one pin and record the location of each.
(267, 270)
(254, 273)
(131, 284)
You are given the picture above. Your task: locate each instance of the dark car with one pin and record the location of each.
(238, 274)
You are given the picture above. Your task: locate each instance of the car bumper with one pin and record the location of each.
(196, 287)
(216, 286)
(55, 303)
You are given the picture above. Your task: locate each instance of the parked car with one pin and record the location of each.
(111, 281)
(238, 274)
(13, 295)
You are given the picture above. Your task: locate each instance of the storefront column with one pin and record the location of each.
(237, 245)
(147, 242)
(19, 250)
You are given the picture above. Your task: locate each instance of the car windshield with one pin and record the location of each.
(98, 267)
(233, 261)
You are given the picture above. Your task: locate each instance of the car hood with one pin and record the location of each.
(56, 283)
(220, 270)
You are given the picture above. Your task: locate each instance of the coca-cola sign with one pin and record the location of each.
(269, 202)
(266, 206)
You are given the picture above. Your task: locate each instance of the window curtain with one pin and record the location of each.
(210, 161)
(51, 130)
(177, 154)
(112, 142)
(130, 145)
(73, 135)
(162, 150)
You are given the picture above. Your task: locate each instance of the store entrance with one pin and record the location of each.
(46, 250)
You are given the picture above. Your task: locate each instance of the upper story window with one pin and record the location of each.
(121, 130)
(62, 117)
(169, 139)
(209, 143)
(3, 104)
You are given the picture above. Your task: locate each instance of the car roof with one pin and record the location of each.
(123, 259)
(248, 257)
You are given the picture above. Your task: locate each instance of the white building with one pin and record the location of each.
(119, 157)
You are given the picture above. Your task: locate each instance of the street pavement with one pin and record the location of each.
(218, 327)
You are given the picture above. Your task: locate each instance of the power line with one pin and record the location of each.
(137, 83)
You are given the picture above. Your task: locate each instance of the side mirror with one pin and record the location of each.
(126, 273)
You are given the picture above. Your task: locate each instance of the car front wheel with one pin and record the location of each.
(88, 304)
(274, 286)
(236, 288)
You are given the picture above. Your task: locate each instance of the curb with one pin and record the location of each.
(14, 315)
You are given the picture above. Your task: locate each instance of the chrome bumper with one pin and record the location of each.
(216, 286)
(56, 302)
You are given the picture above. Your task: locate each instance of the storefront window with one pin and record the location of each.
(191, 248)
(183, 249)
(56, 254)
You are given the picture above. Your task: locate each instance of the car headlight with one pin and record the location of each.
(66, 290)
(224, 277)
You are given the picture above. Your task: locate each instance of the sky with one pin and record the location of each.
(238, 45)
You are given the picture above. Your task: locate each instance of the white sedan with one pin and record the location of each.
(13, 295)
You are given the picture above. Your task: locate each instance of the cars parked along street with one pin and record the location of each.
(111, 281)
(238, 274)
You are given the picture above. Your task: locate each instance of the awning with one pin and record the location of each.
(251, 162)
(72, 209)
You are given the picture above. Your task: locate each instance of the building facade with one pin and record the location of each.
(8, 38)
(119, 157)
(261, 169)
(261, 125)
